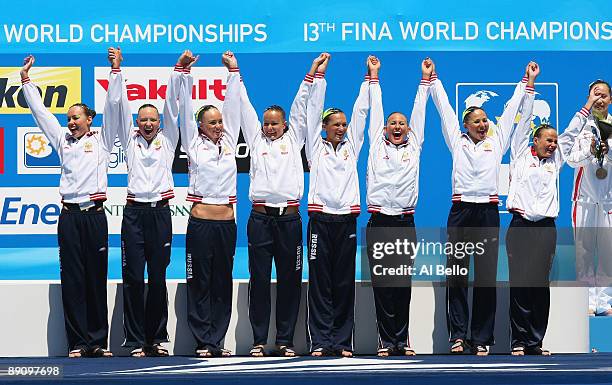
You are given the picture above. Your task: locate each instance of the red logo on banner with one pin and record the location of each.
(1, 150)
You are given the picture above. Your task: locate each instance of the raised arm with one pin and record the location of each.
(171, 104)
(417, 118)
(188, 126)
(117, 118)
(314, 107)
(249, 122)
(45, 120)
(297, 114)
(377, 114)
(448, 117)
(578, 153)
(356, 128)
(231, 104)
(520, 138)
(507, 119)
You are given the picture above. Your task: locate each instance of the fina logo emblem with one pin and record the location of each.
(37, 146)
(492, 97)
(36, 156)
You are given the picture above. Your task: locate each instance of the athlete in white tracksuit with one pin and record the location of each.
(146, 229)
(531, 237)
(274, 229)
(392, 193)
(333, 205)
(474, 216)
(210, 243)
(592, 206)
(82, 229)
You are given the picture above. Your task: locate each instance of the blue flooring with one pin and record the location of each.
(422, 369)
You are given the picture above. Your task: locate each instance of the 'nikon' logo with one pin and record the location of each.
(60, 87)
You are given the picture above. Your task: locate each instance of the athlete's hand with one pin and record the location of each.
(28, 62)
(229, 60)
(533, 70)
(427, 68)
(594, 96)
(115, 57)
(323, 66)
(603, 147)
(186, 60)
(373, 64)
(316, 62)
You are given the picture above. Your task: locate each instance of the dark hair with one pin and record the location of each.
(538, 130)
(202, 110)
(468, 111)
(329, 112)
(148, 105)
(88, 111)
(599, 81)
(277, 108)
(396, 112)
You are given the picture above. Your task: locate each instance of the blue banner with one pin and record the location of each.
(285, 26)
(275, 43)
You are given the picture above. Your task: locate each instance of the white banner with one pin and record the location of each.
(148, 85)
(35, 210)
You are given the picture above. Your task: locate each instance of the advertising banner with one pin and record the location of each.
(480, 50)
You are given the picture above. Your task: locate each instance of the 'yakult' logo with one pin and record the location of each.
(149, 85)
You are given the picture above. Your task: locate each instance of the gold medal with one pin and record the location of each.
(601, 173)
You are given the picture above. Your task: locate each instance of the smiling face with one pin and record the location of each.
(335, 126)
(211, 124)
(477, 125)
(397, 128)
(148, 123)
(78, 121)
(545, 142)
(274, 124)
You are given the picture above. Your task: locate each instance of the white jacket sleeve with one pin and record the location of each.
(117, 114)
(45, 120)
(508, 117)
(115, 120)
(231, 108)
(567, 139)
(356, 128)
(297, 114)
(171, 108)
(314, 113)
(417, 117)
(448, 117)
(249, 121)
(577, 151)
(377, 114)
(520, 137)
(188, 126)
